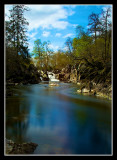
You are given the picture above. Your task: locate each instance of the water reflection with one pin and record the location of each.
(60, 124)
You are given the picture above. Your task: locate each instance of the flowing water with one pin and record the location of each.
(58, 119)
(52, 77)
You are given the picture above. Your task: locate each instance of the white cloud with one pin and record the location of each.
(105, 9)
(45, 34)
(7, 8)
(75, 25)
(53, 47)
(48, 16)
(88, 27)
(58, 34)
(65, 48)
(68, 35)
(32, 35)
(30, 46)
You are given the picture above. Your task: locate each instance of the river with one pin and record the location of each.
(59, 120)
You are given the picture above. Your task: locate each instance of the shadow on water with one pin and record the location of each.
(59, 121)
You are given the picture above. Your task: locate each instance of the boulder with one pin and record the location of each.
(79, 91)
(85, 90)
(53, 84)
(78, 83)
(24, 148)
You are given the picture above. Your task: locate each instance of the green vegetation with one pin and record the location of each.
(19, 67)
(89, 52)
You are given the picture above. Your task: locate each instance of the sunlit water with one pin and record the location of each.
(59, 120)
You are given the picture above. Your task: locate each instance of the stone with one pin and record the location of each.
(24, 148)
(53, 84)
(85, 90)
(79, 91)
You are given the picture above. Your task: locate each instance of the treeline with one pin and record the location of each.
(89, 52)
(19, 66)
(92, 49)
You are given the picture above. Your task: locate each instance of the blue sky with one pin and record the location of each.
(55, 23)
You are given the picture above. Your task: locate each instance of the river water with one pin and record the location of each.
(59, 120)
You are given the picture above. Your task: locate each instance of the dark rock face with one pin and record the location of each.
(24, 148)
(61, 76)
(67, 74)
(73, 76)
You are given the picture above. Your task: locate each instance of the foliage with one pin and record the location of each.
(89, 52)
(19, 67)
(93, 53)
(16, 30)
(59, 60)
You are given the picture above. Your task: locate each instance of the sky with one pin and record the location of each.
(55, 23)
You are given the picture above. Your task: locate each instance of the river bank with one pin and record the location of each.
(69, 74)
(98, 90)
(16, 148)
(85, 88)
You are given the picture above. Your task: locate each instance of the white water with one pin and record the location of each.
(52, 77)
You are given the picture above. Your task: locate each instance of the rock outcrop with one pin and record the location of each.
(24, 148)
(95, 89)
(73, 76)
(67, 74)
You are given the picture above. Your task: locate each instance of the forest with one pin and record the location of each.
(90, 52)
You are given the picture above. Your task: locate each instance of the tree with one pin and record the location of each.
(69, 46)
(106, 29)
(17, 29)
(79, 31)
(38, 48)
(94, 24)
(38, 51)
(46, 54)
(82, 45)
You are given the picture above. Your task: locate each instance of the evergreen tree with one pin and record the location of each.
(17, 28)
(94, 24)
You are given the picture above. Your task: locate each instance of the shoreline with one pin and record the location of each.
(19, 148)
(97, 90)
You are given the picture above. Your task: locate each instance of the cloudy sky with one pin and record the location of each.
(55, 23)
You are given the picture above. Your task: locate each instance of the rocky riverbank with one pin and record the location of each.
(92, 88)
(24, 148)
(70, 74)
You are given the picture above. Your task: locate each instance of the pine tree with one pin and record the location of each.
(94, 24)
(18, 29)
